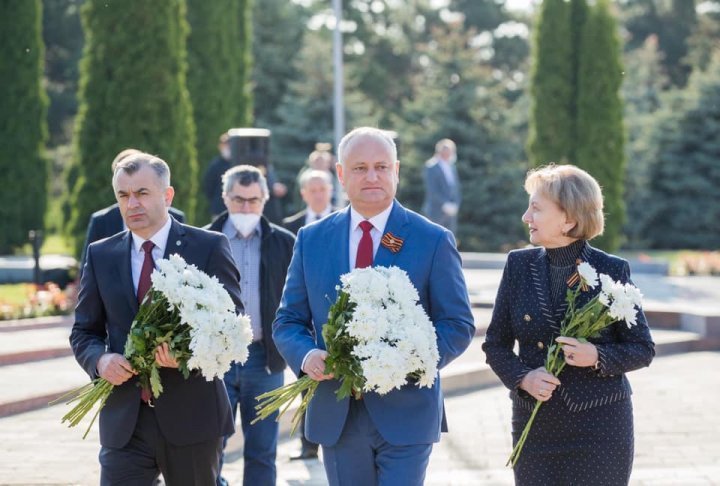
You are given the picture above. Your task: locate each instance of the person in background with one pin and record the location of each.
(262, 252)
(316, 192)
(442, 186)
(583, 433)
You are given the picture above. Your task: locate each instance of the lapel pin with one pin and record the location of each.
(177, 243)
(527, 318)
(392, 242)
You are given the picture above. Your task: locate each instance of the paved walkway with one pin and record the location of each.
(677, 428)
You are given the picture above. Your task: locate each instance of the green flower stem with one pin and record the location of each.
(96, 391)
(280, 399)
(515, 455)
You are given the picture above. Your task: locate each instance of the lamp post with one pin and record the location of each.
(36, 237)
(338, 102)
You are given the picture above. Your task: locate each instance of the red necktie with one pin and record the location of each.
(364, 256)
(147, 268)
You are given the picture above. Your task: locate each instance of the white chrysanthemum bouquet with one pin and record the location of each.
(615, 302)
(378, 339)
(190, 311)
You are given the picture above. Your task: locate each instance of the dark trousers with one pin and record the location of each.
(244, 383)
(148, 454)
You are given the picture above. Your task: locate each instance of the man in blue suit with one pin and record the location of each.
(442, 186)
(180, 433)
(385, 439)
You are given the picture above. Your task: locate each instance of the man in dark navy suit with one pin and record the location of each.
(179, 433)
(108, 221)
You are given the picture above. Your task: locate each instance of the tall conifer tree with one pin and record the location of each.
(600, 131)
(551, 121)
(23, 129)
(133, 93)
(218, 55)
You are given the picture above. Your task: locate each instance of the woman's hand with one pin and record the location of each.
(540, 384)
(577, 353)
(164, 357)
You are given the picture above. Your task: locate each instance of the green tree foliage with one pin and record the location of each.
(673, 22)
(63, 37)
(278, 28)
(551, 89)
(23, 129)
(642, 88)
(577, 114)
(218, 58)
(600, 133)
(684, 207)
(133, 93)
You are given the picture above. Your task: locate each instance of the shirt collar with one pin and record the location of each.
(312, 214)
(379, 221)
(160, 238)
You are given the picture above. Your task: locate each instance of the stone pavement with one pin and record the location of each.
(677, 437)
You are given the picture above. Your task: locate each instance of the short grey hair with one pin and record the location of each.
(315, 175)
(245, 175)
(371, 132)
(135, 161)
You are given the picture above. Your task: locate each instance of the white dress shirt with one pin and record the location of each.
(447, 171)
(137, 255)
(379, 221)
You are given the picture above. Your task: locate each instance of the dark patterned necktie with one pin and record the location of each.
(365, 248)
(147, 268)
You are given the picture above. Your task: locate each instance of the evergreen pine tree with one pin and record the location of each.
(684, 203)
(133, 93)
(551, 120)
(278, 28)
(215, 77)
(23, 129)
(600, 132)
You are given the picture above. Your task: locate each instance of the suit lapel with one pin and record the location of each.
(339, 233)
(398, 226)
(541, 285)
(176, 240)
(121, 253)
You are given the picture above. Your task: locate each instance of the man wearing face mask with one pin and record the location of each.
(262, 253)
(442, 186)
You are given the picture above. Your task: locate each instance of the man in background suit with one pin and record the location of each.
(316, 190)
(442, 186)
(108, 221)
(179, 433)
(379, 439)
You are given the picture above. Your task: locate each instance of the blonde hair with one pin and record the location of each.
(576, 192)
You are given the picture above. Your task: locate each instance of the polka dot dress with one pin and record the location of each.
(583, 435)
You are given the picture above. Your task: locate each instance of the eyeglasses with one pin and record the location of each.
(240, 201)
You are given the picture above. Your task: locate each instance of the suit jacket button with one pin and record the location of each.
(540, 345)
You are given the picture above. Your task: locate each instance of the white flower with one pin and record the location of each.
(394, 335)
(588, 274)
